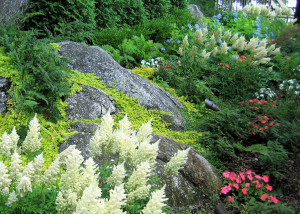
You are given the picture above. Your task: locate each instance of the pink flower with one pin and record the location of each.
(261, 129)
(274, 199)
(242, 175)
(247, 184)
(232, 176)
(255, 126)
(264, 197)
(249, 172)
(230, 198)
(266, 127)
(257, 184)
(263, 122)
(250, 177)
(257, 176)
(253, 133)
(238, 180)
(225, 189)
(227, 66)
(243, 57)
(268, 187)
(226, 174)
(244, 190)
(250, 101)
(235, 185)
(271, 124)
(265, 178)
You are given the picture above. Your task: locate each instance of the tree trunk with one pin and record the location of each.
(297, 13)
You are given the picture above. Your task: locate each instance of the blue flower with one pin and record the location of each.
(235, 15)
(168, 40)
(220, 42)
(224, 18)
(178, 42)
(229, 48)
(267, 28)
(272, 34)
(258, 20)
(233, 57)
(266, 35)
(235, 19)
(257, 34)
(245, 15)
(251, 34)
(214, 26)
(258, 29)
(190, 26)
(218, 21)
(182, 28)
(163, 49)
(197, 26)
(206, 43)
(219, 16)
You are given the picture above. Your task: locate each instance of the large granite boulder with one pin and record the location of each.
(92, 59)
(191, 189)
(195, 10)
(10, 8)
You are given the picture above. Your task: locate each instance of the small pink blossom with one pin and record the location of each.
(225, 189)
(232, 176)
(271, 124)
(247, 184)
(238, 180)
(235, 185)
(268, 187)
(274, 199)
(266, 127)
(230, 198)
(242, 175)
(257, 176)
(250, 177)
(249, 172)
(244, 190)
(265, 178)
(257, 184)
(263, 121)
(264, 197)
(226, 174)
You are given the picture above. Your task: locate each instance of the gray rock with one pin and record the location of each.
(196, 11)
(10, 8)
(191, 189)
(90, 103)
(4, 96)
(92, 59)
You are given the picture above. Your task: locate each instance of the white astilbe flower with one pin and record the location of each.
(156, 202)
(4, 179)
(32, 142)
(90, 201)
(89, 174)
(234, 38)
(64, 154)
(146, 152)
(264, 60)
(205, 54)
(71, 179)
(38, 165)
(24, 185)
(271, 48)
(239, 44)
(14, 138)
(28, 170)
(226, 36)
(275, 52)
(118, 175)
(223, 48)
(214, 51)
(198, 37)
(6, 145)
(185, 42)
(261, 54)
(50, 175)
(61, 203)
(137, 180)
(145, 132)
(251, 45)
(102, 142)
(212, 43)
(177, 161)
(263, 43)
(15, 166)
(140, 193)
(204, 33)
(12, 198)
(116, 200)
(180, 51)
(218, 34)
(125, 125)
(126, 145)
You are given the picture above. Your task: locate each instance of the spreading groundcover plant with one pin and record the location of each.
(72, 185)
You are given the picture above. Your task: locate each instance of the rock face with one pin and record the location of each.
(196, 11)
(190, 189)
(10, 8)
(4, 96)
(92, 59)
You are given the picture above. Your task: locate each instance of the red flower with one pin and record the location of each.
(255, 126)
(243, 57)
(244, 190)
(265, 178)
(247, 184)
(268, 187)
(227, 66)
(264, 197)
(263, 122)
(226, 174)
(266, 127)
(271, 124)
(274, 199)
(230, 198)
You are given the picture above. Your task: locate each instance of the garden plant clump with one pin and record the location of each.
(246, 62)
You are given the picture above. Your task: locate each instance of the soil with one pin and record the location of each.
(290, 184)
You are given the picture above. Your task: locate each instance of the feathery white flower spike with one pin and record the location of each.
(118, 175)
(32, 142)
(177, 161)
(4, 179)
(156, 202)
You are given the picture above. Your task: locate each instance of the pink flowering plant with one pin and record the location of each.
(247, 190)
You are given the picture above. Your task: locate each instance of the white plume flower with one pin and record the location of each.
(32, 142)
(263, 43)
(275, 52)
(118, 175)
(239, 44)
(51, 174)
(14, 138)
(261, 54)
(145, 132)
(24, 185)
(205, 54)
(264, 60)
(89, 174)
(38, 165)
(116, 201)
(12, 198)
(198, 37)
(271, 48)
(90, 201)
(125, 125)
(6, 145)
(185, 42)
(223, 48)
(15, 166)
(214, 51)
(64, 154)
(156, 202)
(204, 33)
(226, 36)
(251, 45)
(234, 38)
(177, 161)
(4, 179)
(212, 43)
(28, 170)
(218, 34)
(126, 145)
(146, 152)
(61, 203)
(180, 51)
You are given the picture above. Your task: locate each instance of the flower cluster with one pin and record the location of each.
(261, 124)
(152, 64)
(291, 86)
(223, 65)
(265, 93)
(243, 186)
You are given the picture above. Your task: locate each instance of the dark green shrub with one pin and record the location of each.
(51, 17)
(116, 13)
(182, 4)
(157, 8)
